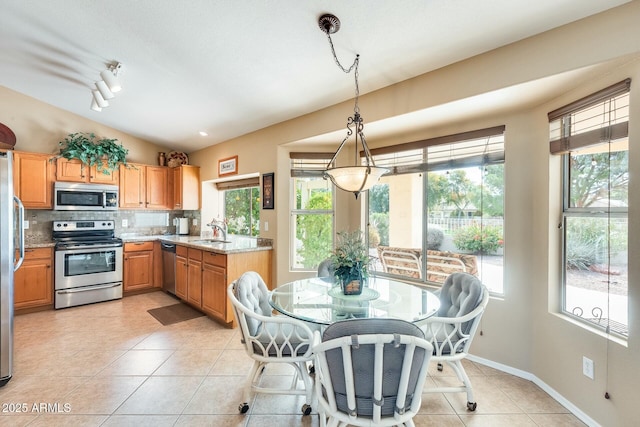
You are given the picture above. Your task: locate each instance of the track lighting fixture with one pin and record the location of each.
(106, 87)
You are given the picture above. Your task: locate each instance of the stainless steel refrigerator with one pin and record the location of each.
(11, 257)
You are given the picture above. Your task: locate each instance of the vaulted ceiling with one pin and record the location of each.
(233, 67)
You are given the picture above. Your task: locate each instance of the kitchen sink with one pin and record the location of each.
(211, 241)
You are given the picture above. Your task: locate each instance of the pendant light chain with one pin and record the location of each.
(353, 66)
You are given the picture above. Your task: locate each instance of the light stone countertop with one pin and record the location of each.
(235, 243)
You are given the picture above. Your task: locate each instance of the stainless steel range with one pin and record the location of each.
(88, 262)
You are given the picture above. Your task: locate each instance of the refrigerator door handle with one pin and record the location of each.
(20, 232)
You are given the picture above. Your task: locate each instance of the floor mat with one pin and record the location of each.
(170, 314)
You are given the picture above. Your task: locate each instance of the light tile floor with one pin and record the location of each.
(113, 364)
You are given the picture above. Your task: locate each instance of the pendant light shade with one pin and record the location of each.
(355, 179)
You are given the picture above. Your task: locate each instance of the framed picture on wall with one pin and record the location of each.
(228, 166)
(267, 190)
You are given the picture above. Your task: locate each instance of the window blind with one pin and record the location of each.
(238, 183)
(309, 164)
(598, 118)
(479, 147)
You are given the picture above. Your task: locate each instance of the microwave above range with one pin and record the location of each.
(70, 196)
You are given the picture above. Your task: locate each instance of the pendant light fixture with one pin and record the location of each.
(359, 177)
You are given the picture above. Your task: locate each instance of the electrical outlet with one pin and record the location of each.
(195, 221)
(25, 224)
(125, 223)
(266, 226)
(587, 367)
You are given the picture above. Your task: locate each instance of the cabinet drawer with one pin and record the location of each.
(195, 254)
(36, 253)
(182, 251)
(215, 259)
(138, 246)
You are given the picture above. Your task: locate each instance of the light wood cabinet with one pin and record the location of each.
(157, 187)
(76, 171)
(181, 272)
(202, 278)
(33, 177)
(214, 291)
(138, 271)
(194, 277)
(186, 187)
(144, 186)
(189, 275)
(33, 281)
(132, 187)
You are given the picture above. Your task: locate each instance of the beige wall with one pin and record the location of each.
(39, 127)
(521, 330)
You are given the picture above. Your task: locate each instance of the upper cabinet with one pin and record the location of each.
(141, 186)
(186, 187)
(33, 177)
(76, 171)
(144, 186)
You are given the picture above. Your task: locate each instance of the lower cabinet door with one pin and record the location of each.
(214, 292)
(181, 277)
(33, 281)
(138, 270)
(194, 283)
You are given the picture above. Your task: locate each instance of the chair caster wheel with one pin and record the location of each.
(440, 367)
(306, 409)
(243, 408)
(472, 406)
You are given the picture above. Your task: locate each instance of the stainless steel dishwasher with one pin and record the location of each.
(169, 267)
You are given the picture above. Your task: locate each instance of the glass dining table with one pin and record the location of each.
(320, 301)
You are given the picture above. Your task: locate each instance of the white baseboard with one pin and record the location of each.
(537, 381)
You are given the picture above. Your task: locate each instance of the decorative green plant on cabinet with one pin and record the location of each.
(106, 154)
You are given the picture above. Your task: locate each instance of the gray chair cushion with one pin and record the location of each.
(363, 359)
(326, 268)
(252, 292)
(460, 295)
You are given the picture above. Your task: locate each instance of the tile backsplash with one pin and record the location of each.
(139, 223)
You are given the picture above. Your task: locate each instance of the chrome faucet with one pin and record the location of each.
(220, 225)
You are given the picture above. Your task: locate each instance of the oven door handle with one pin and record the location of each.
(85, 248)
(89, 288)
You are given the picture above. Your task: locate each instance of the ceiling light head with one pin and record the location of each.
(203, 133)
(110, 77)
(359, 177)
(99, 99)
(94, 105)
(104, 90)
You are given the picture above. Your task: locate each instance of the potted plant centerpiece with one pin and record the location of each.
(106, 154)
(351, 261)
